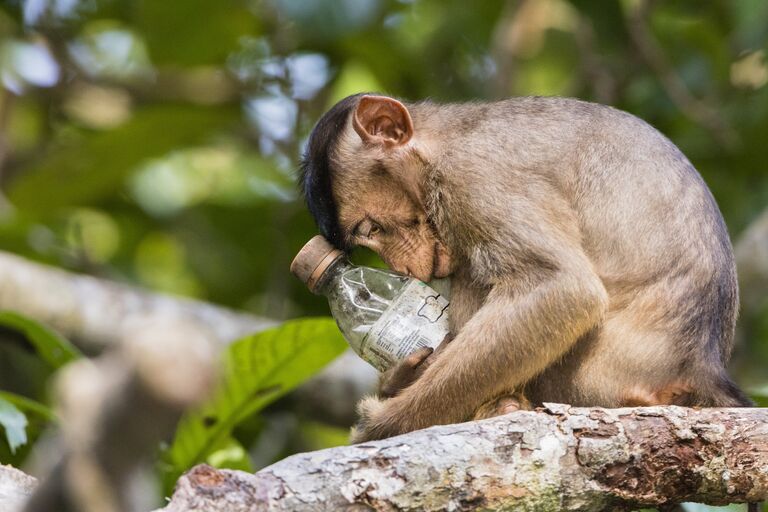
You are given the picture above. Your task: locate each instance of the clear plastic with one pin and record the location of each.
(383, 315)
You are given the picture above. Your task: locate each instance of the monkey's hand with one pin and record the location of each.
(404, 373)
(409, 369)
(371, 410)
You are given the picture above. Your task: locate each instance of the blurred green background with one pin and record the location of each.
(156, 142)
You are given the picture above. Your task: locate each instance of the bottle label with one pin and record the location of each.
(417, 318)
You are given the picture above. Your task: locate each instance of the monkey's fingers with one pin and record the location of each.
(431, 357)
(406, 371)
(416, 358)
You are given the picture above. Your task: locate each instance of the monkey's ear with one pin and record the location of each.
(382, 120)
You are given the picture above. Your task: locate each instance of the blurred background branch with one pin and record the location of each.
(95, 312)
(752, 260)
(116, 409)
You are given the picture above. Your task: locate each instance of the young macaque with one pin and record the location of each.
(589, 263)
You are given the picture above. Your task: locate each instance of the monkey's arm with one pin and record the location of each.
(525, 325)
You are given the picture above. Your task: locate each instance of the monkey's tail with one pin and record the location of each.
(720, 391)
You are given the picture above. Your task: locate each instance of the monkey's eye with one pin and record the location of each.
(368, 228)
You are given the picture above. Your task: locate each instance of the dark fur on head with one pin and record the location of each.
(315, 171)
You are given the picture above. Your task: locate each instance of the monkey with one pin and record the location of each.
(589, 262)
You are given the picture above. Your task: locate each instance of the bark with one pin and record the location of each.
(560, 458)
(15, 488)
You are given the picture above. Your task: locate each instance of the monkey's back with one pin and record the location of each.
(648, 221)
(660, 245)
(651, 229)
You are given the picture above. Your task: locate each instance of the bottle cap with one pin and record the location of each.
(313, 260)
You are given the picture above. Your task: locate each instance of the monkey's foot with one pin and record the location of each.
(369, 409)
(676, 393)
(503, 404)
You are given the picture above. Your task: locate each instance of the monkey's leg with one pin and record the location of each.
(410, 368)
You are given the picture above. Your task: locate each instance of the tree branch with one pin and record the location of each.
(96, 312)
(752, 261)
(561, 458)
(114, 411)
(15, 488)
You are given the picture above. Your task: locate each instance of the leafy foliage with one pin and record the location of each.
(77, 174)
(14, 422)
(256, 371)
(29, 407)
(52, 348)
(24, 418)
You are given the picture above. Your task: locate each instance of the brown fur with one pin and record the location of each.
(504, 404)
(676, 393)
(590, 264)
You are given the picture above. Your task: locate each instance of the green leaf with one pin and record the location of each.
(28, 406)
(231, 455)
(97, 165)
(257, 370)
(52, 348)
(14, 422)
